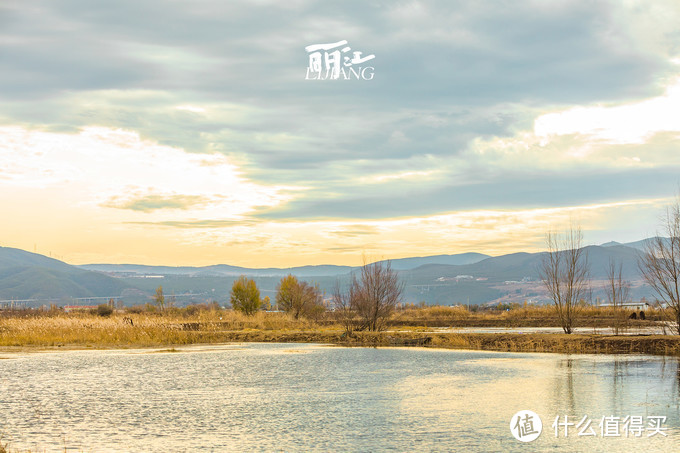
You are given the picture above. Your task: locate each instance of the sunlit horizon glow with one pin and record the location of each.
(209, 147)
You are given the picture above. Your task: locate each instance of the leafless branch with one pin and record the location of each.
(565, 274)
(618, 292)
(660, 263)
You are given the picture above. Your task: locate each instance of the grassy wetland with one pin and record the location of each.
(439, 327)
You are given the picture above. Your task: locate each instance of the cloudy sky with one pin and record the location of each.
(186, 133)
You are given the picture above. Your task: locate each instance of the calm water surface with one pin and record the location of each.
(283, 397)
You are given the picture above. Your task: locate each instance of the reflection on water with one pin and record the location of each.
(316, 398)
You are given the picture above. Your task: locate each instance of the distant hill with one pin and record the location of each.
(11, 257)
(443, 279)
(460, 259)
(516, 266)
(514, 277)
(301, 271)
(637, 245)
(26, 275)
(217, 270)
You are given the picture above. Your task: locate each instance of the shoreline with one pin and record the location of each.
(664, 345)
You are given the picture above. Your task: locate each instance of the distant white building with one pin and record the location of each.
(628, 305)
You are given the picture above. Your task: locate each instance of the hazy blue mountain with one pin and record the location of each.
(11, 257)
(516, 266)
(26, 275)
(514, 276)
(460, 259)
(637, 245)
(144, 269)
(442, 279)
(301, 271)
(216, 270)
(640, 245)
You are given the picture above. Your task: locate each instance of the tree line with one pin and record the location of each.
(565, 272)
(365, 304)
(373, 293)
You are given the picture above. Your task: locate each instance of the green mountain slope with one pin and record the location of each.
(433, 280)
(26, 275)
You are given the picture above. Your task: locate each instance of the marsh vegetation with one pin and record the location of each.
(137, 327)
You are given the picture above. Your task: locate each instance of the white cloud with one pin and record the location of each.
(112, 167)
(406, 175)
(191, 108)
(642, 134)
(621, 124)
(494, 231)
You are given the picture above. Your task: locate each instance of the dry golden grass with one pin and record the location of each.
(181, 327)
(518, 316)
(437, 313)
(147, 329)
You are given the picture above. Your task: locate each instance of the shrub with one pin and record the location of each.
(135, 309)
(299, 298)
(104, 310)
(245, 296)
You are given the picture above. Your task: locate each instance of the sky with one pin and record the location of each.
(191, 133)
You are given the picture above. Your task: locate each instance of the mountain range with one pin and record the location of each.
(301, 271)
(25, 275)
(472, 278)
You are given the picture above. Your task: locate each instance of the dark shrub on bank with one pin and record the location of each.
(135, 309)
(104, 310)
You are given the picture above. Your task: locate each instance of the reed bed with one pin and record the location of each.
(182, 327)
(145, 329)
(517, 316)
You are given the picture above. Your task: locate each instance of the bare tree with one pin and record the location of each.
(159, 298)
(371, 298)
(660, 263)
(377, 292)
(618, 292)
(344, 307)
(565, 274)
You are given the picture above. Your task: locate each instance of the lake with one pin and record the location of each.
(304, 397)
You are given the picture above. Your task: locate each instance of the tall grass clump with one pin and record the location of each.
(128, 329)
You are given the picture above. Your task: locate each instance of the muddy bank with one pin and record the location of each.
(106, 336)
(560, 343)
